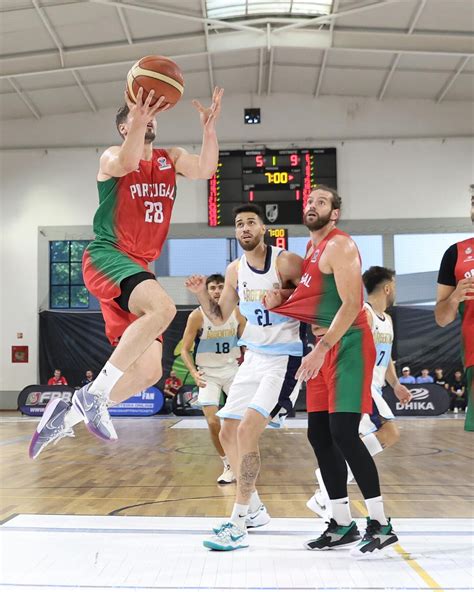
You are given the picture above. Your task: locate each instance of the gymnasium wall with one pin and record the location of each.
(405, 160)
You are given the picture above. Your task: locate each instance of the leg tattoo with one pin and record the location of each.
(249, 469)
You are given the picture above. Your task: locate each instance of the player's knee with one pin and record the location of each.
(246, 433)
(343, 438)
(226, 434)
(214, 423)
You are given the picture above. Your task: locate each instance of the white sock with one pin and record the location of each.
(72, 417)
(322, 487)
(239, 513)
(255, 502)
(350, 476)
(341, 511)
(106, 380)
(225, 461)
(376, 510)
(372, 444)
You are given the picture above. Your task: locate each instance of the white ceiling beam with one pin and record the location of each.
(327, 18)
(270, 71)
(24, 98)
(319, 81)
(173, 14)
(260, 71)
(209, 59)
(124, 23)
(449, 83)
(84, 91)
(396, 59)
(49, 27)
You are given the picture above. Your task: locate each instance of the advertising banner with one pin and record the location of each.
(428, 399)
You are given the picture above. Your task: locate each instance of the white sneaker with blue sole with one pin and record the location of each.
(229, 537)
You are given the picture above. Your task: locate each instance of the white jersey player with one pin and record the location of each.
(265, 383)
(215, 362)
(377, 430)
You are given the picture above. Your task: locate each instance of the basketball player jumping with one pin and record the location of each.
(338, 372)
(216, 353)
(377, 430)
(456, 293)
(265, 383)
(137, 189)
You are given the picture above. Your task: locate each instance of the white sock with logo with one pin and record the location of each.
(255, 502)
(239, 513)
(341, 511)
(106, 380)
(72, 417)
(225, 461)
(376, 510)
(372, 444)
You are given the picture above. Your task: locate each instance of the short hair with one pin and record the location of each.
(375, 276)
(336, 199)
(218, 278)
(250, 208)
(121, 117)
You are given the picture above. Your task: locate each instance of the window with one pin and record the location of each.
(66, 285)
(197, 255)
(370, 248)
(240, 8)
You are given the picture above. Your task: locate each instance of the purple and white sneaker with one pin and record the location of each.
(51, 428)
(96, 415)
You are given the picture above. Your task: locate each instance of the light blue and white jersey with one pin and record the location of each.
(382, 330)
(217, 344)
(265, 331)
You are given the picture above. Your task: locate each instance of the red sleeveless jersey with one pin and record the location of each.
(316, 299)
(465, 269)
(135, 210)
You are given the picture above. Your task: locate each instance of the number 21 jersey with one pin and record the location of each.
(134, 211)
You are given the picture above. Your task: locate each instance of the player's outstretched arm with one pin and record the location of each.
(289, 267)
(193, 326)
(218, 312)
(203, 165)
(118, 161)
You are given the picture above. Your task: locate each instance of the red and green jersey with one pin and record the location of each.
(458, 264)
(134, 211)
(316, 299)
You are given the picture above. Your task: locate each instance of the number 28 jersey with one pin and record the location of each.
(382, 330)
(134, 211)
(265, 331)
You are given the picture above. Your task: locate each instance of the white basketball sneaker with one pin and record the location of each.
(227, 476)
(320, 505)
(258, 518)
(227, 538)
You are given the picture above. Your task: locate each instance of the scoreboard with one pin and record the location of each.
(279, 181)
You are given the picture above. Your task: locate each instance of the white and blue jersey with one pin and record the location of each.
(265, 332)
(216, 345)
(382, 330)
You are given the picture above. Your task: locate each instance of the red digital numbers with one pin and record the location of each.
(294, 159)
(260, 160)
(281, 242)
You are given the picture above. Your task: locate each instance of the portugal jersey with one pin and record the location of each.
(457, 265)
(135, 210)
(316, 299)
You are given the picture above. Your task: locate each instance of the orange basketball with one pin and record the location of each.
(159, 74)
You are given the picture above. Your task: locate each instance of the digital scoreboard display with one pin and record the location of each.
(279, 181)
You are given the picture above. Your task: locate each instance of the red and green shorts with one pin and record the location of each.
(104, 267)
(344, 380)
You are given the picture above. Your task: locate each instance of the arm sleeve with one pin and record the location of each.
(446, 275)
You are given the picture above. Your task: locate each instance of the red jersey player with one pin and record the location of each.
(137, 189)
(456, 293)
(338, 372)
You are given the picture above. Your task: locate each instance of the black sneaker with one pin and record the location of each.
(376, 537)
(335, 536)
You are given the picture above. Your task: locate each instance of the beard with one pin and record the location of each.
(318, 222)
(250, 246)
(150, 136)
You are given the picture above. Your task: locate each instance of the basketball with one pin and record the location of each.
(159, 74)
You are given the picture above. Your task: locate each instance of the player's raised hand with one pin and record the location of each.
(210, 114)
(142, 111)
(196, 283)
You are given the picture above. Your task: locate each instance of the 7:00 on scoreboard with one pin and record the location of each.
(278, 180)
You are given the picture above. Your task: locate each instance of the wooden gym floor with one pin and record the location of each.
(157, 470)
